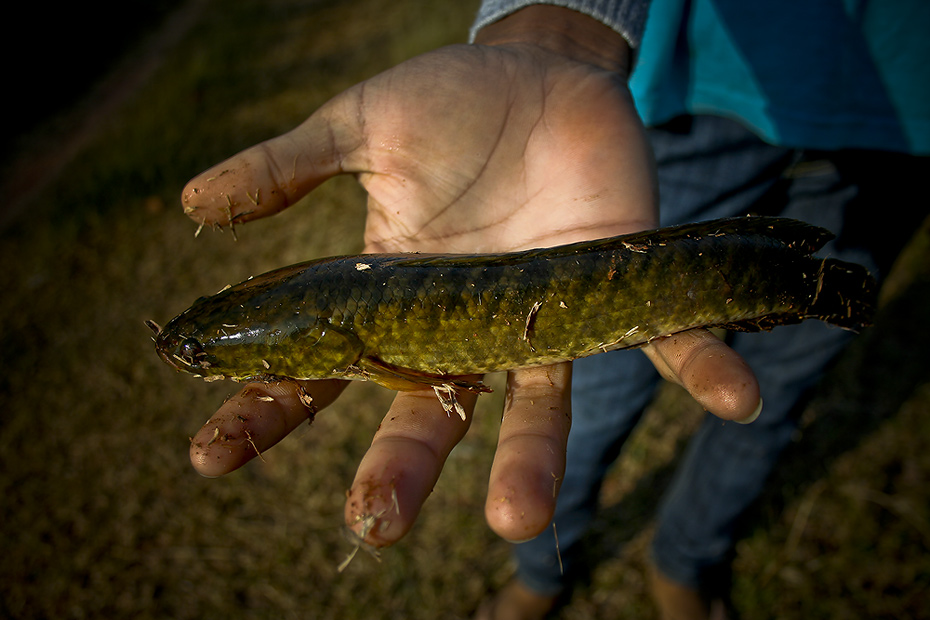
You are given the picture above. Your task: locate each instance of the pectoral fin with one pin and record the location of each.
(407, 379)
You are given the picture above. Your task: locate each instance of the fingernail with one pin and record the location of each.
(753, 416)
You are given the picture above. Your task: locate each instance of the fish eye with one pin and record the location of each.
(191, 351)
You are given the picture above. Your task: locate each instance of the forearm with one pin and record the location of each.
(603, 33)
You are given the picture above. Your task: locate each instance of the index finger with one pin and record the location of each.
(530, 460)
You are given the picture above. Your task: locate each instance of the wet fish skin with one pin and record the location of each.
(410, 319)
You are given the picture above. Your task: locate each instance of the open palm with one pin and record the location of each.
(465, 149)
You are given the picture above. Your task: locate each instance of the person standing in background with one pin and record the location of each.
(810, 110)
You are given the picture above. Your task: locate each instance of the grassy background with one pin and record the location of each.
(102, 515)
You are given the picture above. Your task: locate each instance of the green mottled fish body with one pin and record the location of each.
(409, 319)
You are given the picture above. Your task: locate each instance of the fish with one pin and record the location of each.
(411, 320)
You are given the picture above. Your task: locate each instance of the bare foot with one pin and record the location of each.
(515, 601)
(679, 602)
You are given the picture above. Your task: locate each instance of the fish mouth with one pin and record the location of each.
(168, 348)
(164, 344)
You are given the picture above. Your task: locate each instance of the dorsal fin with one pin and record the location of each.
(795, 234)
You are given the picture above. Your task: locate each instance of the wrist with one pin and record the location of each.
(562, 31)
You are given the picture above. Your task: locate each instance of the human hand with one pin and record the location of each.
(528, 140)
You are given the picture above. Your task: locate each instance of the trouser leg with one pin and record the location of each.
(726, 465)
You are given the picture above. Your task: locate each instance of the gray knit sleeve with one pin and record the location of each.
(625, 16)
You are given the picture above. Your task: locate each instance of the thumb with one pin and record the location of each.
(269, 177)
(713, 373)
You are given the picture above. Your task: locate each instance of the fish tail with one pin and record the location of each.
(846, 295)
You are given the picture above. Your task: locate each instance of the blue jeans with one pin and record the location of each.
(708, 168)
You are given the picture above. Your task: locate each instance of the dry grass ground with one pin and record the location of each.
(103, 517)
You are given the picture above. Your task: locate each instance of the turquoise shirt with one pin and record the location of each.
(822, 74)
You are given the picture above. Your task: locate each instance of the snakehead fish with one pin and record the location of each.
(409, 320)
